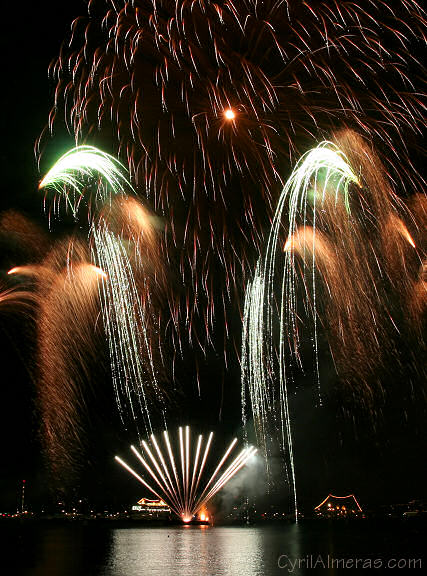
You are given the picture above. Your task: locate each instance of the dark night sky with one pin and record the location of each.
(338, 448)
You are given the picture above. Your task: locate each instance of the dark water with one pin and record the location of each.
(46, 549)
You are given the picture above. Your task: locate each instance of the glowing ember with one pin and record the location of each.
(229, 114)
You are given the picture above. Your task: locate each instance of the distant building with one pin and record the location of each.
(151, 508)
(339, 507)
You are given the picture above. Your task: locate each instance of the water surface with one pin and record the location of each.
(48, 549)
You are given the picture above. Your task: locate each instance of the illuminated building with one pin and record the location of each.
(339, 507)
(151, 508)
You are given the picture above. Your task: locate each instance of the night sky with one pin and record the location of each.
(340, 448)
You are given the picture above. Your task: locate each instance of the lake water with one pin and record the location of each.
(46, 549)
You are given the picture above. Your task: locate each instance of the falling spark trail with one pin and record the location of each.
(124, 316)
(319, 171)
(132, 363)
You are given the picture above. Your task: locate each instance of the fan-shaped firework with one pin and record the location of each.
(181, 483)
(348, 255)
(208, 99)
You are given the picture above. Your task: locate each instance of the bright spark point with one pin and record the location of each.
(288, 245)
(411, 242)
(229, 114)
(98, 271)
(186, 493)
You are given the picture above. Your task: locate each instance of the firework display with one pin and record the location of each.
(206, 101)
(190, 236)
(180, 481)
(12, 297)
(60, 295)
(112, 233)
(322, 171)
(339, 252)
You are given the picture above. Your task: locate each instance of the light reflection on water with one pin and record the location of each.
(188, 550)
(49, 549)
